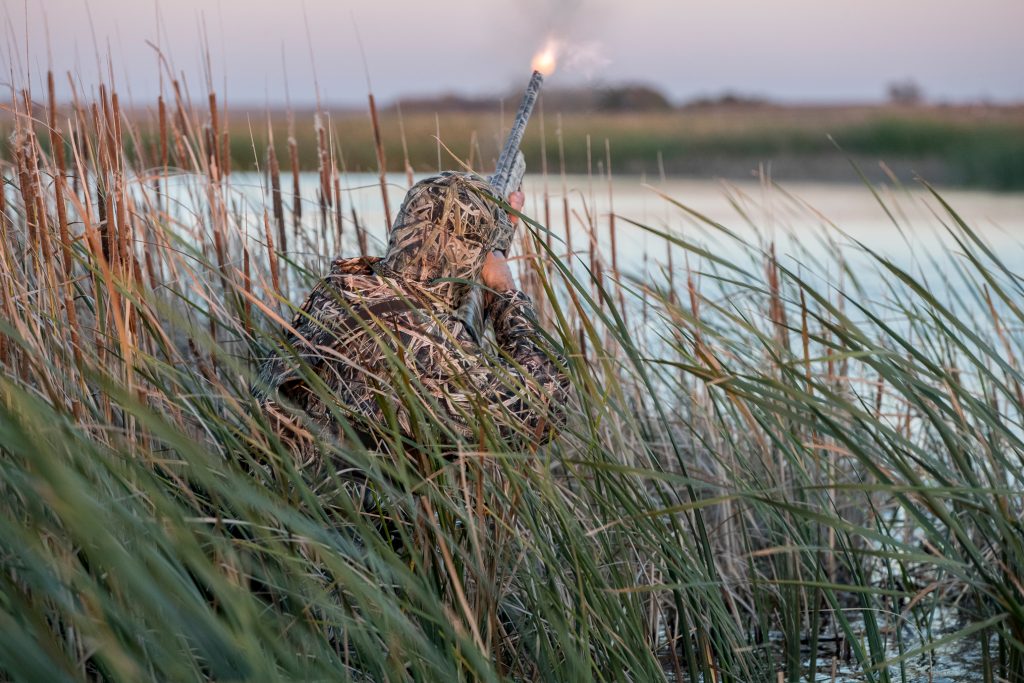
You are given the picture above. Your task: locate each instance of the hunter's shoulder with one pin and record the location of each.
(352, 282)
(347, 280)
(357, 279)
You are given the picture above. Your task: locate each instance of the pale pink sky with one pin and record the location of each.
(794, 50)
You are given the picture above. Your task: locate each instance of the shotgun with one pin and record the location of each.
(507, 178)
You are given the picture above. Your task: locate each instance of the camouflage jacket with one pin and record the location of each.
(392, 354)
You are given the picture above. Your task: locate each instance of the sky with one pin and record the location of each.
(261, 51)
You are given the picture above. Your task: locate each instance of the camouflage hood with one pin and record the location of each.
(444, 231)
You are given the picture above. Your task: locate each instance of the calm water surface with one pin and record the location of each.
(800, 218)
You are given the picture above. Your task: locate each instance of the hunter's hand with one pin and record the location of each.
(496, 274)
(516, 200)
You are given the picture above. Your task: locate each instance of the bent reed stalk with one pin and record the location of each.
(757, 464)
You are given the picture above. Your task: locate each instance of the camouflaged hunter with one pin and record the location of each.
(384, 339)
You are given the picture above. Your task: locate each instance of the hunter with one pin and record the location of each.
(380, 341)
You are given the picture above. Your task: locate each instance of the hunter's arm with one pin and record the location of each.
(524, 387)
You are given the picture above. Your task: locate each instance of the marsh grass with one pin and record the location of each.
(758, 456)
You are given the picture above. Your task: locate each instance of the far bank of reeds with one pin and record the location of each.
(969, 146)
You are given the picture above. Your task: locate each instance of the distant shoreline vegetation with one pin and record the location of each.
(730, 136)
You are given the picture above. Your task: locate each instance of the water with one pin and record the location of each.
(822, 231)
(800, 218)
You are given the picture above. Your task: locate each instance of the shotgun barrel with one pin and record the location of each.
(507, 178)
(508, 173)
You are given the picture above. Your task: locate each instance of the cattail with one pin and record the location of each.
(805, 337)
(323, 173)
(106, 223)
(271, 254)
(210, 152)
(474, 146)
(4, 220)
(382, 164)
(776, 308)
(79, 141)
(213, 136)
(57, 143)
(247, 286)
(338, 164)
(590, 211)
(437, 138)
(117, 139)
(360, 233)
(126, 241)
(274, 169)
(216, 224)
(293, 153)
(180, 126)
(611, 228)
(225, 153)
(147, 251)
(60, 178)
(337, 213)
(225, 144)
(162, 108)
(27, 188)
(324, 160)
(565, 194)
(109, 139)
(669, 265)
(102, 207)
(544, 172)
(405, 148)
(33, 177)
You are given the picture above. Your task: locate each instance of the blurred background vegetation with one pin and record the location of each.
(729, 136)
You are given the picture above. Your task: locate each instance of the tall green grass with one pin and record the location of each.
(758, 456)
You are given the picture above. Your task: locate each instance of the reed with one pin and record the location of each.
(765, 474)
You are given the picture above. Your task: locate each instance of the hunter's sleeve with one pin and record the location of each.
(526, 383)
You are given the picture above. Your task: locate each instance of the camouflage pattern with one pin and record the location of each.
(445, 229)
(385, 338)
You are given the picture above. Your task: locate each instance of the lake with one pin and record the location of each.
(797, 216)
(823, 231)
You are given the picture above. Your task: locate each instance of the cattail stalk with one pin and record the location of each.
(565, 194)
(405, 149)
(611, 228)
(382, 163)
(271, 254)
(274, 170)
(293, 154)
(364, 248)
(213, 138)
(544, 173)
(60, 178)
